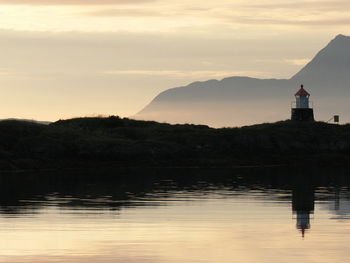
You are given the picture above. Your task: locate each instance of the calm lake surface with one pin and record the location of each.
(174, 215)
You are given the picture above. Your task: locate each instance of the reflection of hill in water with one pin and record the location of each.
(23, 193)
(108, 191)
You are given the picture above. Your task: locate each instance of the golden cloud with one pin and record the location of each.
(73, 2)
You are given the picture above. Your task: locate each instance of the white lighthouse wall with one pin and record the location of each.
(302, 102)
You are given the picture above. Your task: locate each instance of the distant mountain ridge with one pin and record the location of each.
(237, 101)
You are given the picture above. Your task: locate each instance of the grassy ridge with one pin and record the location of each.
(112, 140)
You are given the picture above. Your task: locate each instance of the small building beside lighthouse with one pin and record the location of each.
(302, 110)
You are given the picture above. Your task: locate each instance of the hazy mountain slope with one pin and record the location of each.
(240, 101)
(329, 69)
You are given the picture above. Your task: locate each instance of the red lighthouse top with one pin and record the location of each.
(302, 92)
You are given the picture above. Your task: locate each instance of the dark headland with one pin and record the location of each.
(118, 142)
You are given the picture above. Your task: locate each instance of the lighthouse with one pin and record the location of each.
(302, 110)
(303, 205)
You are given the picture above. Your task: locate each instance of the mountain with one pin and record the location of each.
(237, 101)
(331, 67)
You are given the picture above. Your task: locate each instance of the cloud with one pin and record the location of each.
(125, 12)
(291, 22)
(73, 2)
(298, 62)
(297, 13)
(304, 5)
(154, 12)
(185, 74)
(290, 61)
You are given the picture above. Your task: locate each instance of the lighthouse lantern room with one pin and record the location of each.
(302, 98)
(302, 111)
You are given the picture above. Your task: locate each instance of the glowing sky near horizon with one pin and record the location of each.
(66, 58)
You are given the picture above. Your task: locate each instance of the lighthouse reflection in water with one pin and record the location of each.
(303, 203)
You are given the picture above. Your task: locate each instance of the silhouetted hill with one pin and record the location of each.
(35, 121)
(85, 142)
(237, 101)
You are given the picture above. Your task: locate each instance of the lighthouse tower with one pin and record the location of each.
(302, 111)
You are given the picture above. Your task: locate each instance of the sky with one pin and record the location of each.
(69, 58)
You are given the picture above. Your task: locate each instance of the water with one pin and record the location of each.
(175, 216)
